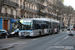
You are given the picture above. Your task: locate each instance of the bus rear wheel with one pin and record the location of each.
(39, 33)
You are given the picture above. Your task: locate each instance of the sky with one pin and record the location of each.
(70, 2)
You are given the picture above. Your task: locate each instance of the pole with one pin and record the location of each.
(70, 30)
(61, 22)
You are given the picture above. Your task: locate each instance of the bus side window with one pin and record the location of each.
(37, 26)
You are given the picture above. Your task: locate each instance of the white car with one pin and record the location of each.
(3, 33)
(13, 32)
(70, 28)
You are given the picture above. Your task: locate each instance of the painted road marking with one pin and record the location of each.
(62, 40)
(58, 42)
(17, 43)
(66, 37)
(61, 47)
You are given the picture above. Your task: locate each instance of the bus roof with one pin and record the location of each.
(41, 19)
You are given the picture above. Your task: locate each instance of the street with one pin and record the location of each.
(59, 41)
(37, 24)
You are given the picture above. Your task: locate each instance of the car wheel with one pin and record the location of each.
(16, 34)
(4, 36)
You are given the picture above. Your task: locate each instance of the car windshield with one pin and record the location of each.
(11, 30)
(2, 30)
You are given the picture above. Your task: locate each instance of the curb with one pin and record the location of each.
(7, 47)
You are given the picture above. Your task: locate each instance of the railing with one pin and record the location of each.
(8, 2)
(41, 13)
(17, 17)
(6, 15)
(11, 16)
(33, 1)
(28, 9)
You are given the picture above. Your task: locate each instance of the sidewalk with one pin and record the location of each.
(4, 43)
(64, 30)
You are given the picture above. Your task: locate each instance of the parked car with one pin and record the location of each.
(13, 32)
(74, 27)
(3, 33)
(70, 28)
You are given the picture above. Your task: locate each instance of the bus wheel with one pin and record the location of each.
(39, 33)
(49, 32)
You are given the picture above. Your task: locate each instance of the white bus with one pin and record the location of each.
(36, 26)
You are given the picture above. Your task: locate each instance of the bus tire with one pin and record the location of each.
(49, 32)
(39, 33)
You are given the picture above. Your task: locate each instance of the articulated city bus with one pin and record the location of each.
(37, 26)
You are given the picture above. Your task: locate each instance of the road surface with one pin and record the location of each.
(59, 41)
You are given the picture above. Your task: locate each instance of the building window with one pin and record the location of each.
(12, 11)
(16, 13)
(5, 10)
(34, 7)
(20, 2)
(16, 1)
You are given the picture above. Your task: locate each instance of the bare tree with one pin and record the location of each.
(58, 8)
(69, 10)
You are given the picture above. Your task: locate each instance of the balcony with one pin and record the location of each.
(11, 16)
(28, 9)
(10, 3)
(32, 1)
(54, 16)
(31, 10)
(6, 15)
(48, 14)
(17, 17)
(41, 13)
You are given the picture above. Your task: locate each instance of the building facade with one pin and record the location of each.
(36, 9)
(9, 10)
(12, 10)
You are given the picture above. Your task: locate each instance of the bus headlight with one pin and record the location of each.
(12, 32)
(32, 34)
(26, 33)
(19, 33)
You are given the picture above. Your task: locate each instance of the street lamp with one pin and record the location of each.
(57, 13)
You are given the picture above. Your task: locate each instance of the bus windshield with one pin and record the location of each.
(26, 26)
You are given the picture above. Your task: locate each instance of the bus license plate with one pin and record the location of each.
(23, 33)
(26, 33)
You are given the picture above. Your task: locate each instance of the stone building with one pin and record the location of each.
(9, 10)
(12, 10)
(36, 9)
